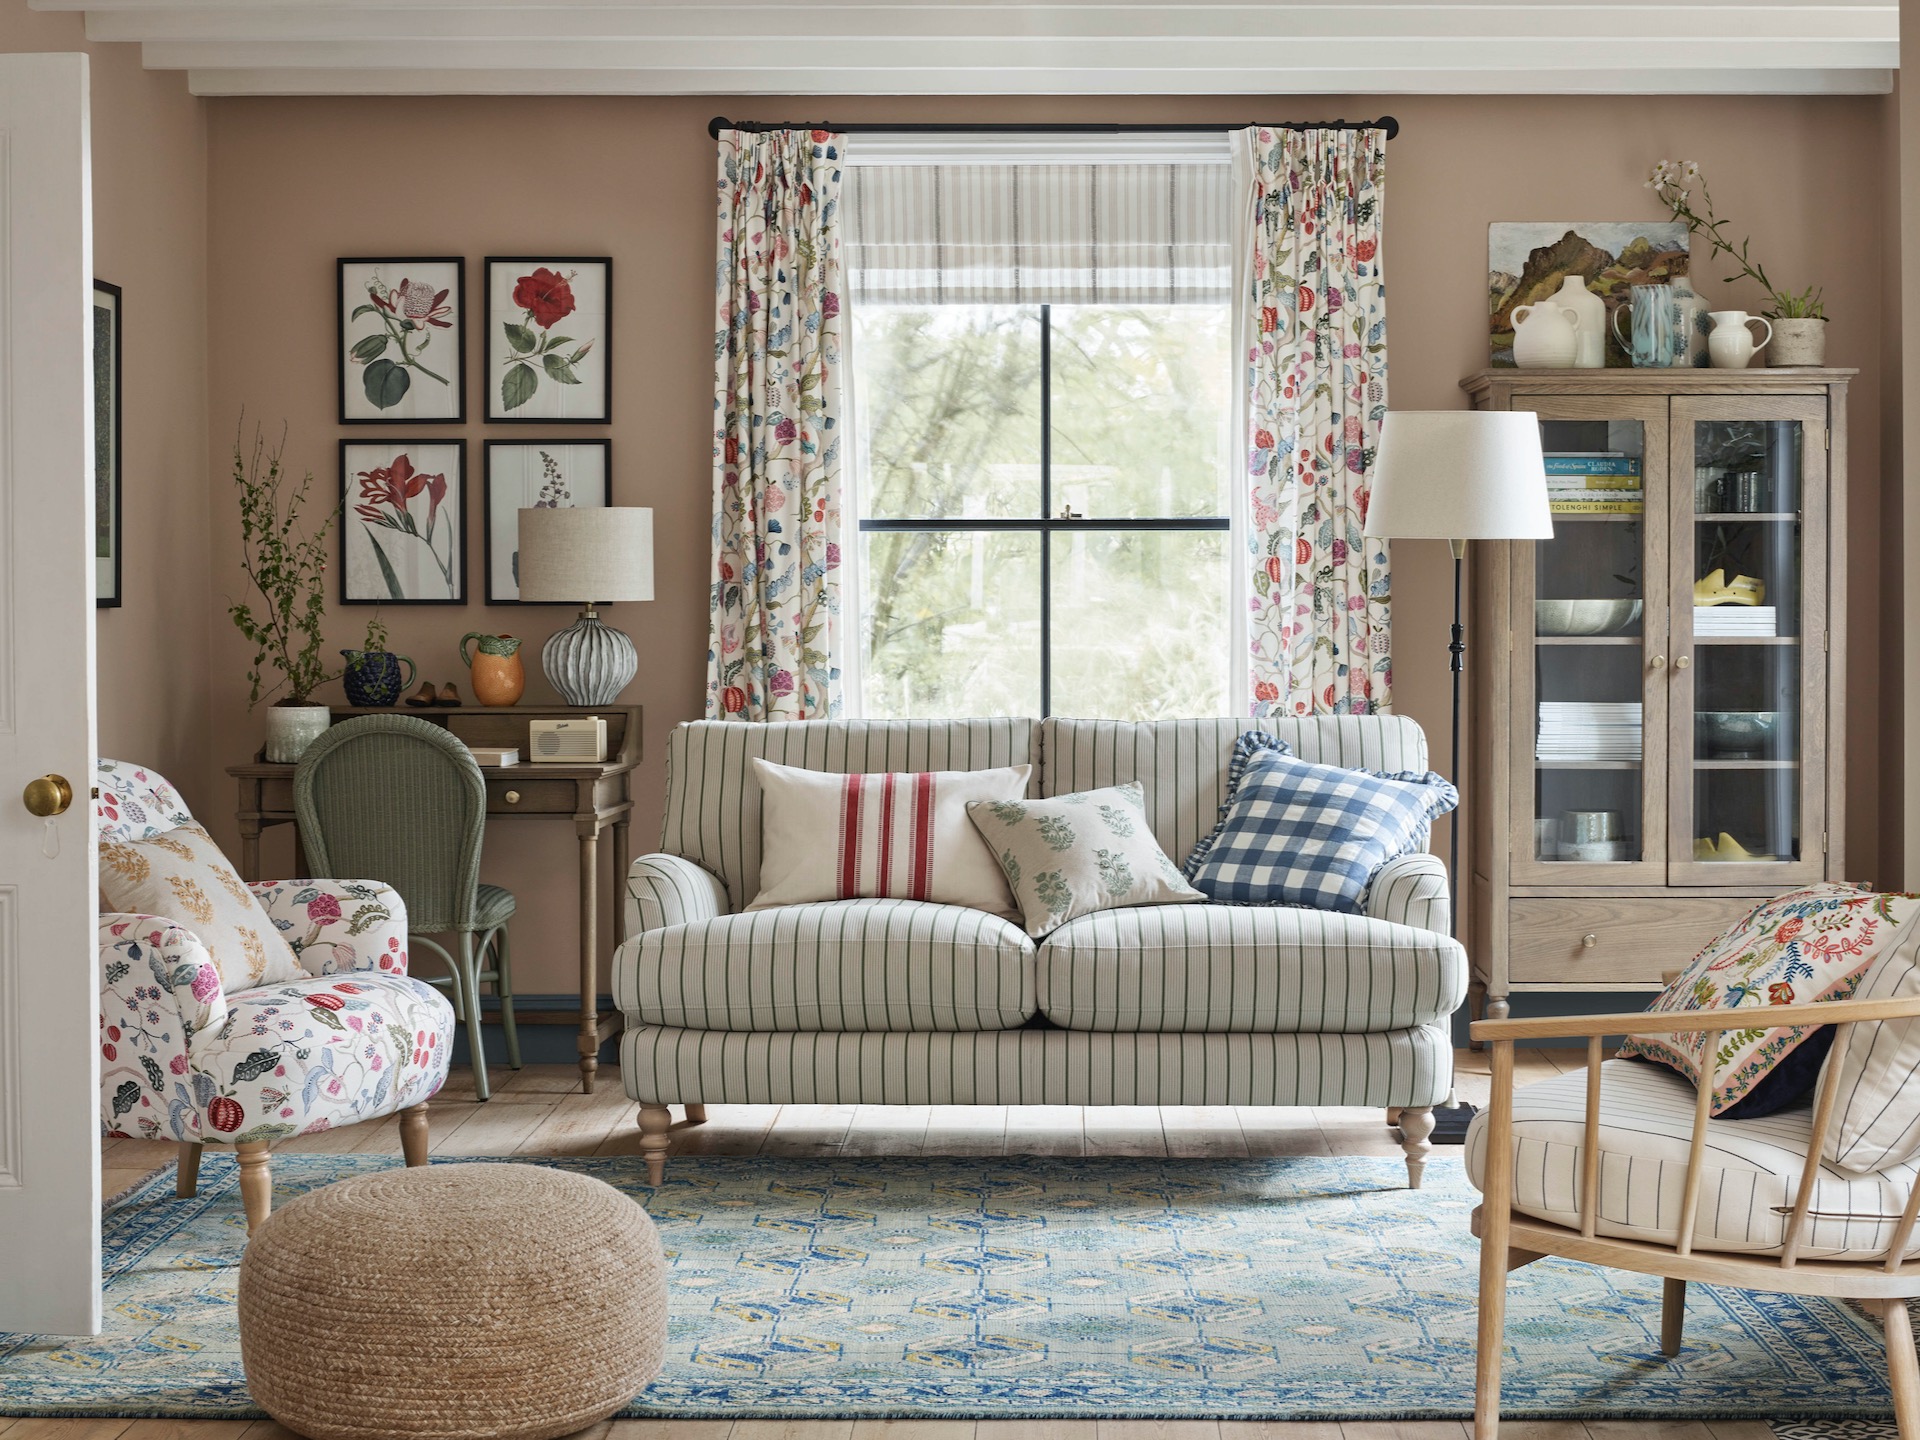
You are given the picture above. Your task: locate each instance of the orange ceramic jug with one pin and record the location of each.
(498, 676)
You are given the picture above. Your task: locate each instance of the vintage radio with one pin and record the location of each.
(567, 742)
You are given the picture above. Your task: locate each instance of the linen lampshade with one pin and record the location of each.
(587, 556)
(1459, 475)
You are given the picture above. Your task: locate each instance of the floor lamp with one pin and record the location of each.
(1458, 475)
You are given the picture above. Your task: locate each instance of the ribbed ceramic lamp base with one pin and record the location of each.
(589, 663)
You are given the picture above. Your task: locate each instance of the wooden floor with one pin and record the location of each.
(539, 1111)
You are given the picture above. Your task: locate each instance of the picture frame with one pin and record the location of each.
(402, 341)
(108, 370)
(533, 474)
(557, 311)
(1528, 260)
(403, 521)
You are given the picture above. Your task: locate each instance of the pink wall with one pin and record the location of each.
(297, 182)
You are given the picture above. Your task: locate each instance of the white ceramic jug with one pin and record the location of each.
(1730, 344)
(1545, 336)
(1589, 324)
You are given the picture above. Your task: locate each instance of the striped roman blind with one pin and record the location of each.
(1020, 233)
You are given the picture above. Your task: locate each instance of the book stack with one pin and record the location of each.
(1584, 730)
(1594, 482)
(1734, 620)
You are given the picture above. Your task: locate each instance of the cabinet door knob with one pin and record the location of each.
(1683, 662)
(512, 797)
(1589, 940)
(1658, 662)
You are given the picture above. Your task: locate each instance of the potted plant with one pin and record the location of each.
(286, 604)
(1798, 318)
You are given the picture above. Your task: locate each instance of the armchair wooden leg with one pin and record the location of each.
(655, 1120)
(1673, 1316)
(256, 1181)
(186, 1170)
(696, 1114)
(1903, 1368)
(1393, 1116)
(413, 1134)
(1415, 1126)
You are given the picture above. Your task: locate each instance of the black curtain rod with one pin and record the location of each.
(720, 122)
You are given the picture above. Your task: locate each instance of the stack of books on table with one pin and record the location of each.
(1575, 730)
(1734, 620)
(1594, 482)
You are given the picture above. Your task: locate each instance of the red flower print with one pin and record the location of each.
(732, 450)
(225, 1113)
(1789, 929)
(784, 430)
(1363, 250)
(1269, 319)
(545, 295)
(733, 699)
(206, 983)
(1266, 691)
(1306, 299)
(326, 1002)
(830, 304)
(323, 909)
(1303, 551)
(1263, 439)
(178, 1065)
(1276, 569)
(109, 1052)
(1780, 992)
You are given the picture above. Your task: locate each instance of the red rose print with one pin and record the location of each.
(226, 1114)
(544, 295)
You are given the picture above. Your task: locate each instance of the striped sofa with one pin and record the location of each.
(899, 1002)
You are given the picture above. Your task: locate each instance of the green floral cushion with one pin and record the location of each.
(1075, 854)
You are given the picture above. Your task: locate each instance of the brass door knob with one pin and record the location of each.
(48, 796)
(512, 797)
(1658, 662)
(1683, 662)
(1589, 940)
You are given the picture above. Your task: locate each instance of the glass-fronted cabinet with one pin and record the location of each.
(1656, 734)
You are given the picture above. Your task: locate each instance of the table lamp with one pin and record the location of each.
(587, 557)
(1459, 475)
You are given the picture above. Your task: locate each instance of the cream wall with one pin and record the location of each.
(294, 183)
(149, 237)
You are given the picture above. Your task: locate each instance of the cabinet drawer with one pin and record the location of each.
(1612, 941)
(532, 795)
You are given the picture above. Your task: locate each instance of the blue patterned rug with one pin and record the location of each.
(1295, 1289)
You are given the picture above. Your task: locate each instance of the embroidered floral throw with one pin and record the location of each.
(1314, 331)
(775, 601)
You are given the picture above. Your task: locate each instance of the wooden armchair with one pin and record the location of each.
(1885, 1283)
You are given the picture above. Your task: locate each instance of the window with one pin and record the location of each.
(1041, 371)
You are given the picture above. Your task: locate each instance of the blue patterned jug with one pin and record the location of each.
(372, 677)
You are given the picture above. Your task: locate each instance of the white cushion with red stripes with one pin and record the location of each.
(890, 836)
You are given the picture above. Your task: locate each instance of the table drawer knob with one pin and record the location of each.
(1589, 940)
(512, 797)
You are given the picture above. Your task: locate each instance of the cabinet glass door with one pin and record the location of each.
(1749, 556)
(1591, 606)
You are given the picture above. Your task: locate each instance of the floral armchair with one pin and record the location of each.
(181, 1059)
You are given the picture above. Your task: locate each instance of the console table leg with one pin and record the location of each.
(589, 958)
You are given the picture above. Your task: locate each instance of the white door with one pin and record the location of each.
(49, 1001)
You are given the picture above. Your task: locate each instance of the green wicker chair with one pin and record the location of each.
(395, 799)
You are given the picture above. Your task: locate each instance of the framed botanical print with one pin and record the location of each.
(537, 475)
(549, 323)
(106, 444)
(403, 341)
(403, 522)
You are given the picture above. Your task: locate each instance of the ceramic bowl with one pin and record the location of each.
(1595, 852)
(1584, 617)
(1736, 733)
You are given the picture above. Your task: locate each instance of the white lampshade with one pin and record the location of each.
(586, 556)
(1459, 475)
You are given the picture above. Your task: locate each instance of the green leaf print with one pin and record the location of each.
(1007, 812)
(1056, 832)
(1114, 872)
(1052, 889)
(1011, 864)
(1117, 819)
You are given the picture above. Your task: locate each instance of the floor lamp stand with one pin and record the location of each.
(1450, 1121)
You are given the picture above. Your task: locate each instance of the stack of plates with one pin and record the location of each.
(1575, 730)
(1734, 620)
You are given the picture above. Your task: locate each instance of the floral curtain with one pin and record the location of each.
(775, 601)
(1314, 330)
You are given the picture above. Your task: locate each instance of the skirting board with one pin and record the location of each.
(540, 1043)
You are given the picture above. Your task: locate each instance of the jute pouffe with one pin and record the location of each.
(458, 1302)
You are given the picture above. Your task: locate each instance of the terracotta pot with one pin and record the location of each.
(1798, 343)
(499, 678)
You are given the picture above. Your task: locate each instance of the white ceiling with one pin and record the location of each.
(1006, 47)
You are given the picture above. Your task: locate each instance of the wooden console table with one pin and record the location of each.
(598, 797)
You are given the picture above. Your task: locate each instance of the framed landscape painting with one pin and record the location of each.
(403, 341)
(1528, 260)
(403, 522)
(106, 444)
(549, 339)
(537, 475)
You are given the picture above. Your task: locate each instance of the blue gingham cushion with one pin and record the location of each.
(1295, 833)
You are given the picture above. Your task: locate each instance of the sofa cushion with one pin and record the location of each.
(713, 800)
(1182, 764)
(1646, 1121)
(1263, 970)
(839, 965)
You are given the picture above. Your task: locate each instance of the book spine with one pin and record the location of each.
(1577, 483)
(1596, 507)
(1592, 465)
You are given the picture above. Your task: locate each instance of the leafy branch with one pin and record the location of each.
(1671, 181)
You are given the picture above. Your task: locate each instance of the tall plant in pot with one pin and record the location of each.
(1798, 317)
(285, 605)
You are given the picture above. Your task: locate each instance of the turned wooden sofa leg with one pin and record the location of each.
(413, 1134)
(696, 1114)
(186, 1170)
(655, 1121)
(1673, 1316)
(1415, 1126)
(256, 1182)
(1903, 1368)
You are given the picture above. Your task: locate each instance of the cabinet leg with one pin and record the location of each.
(589, 957)
(256, 1182)
(1497, 1007)
(696, 1114)
(655, 1121)
(1476, 1008)
(186, 1171)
